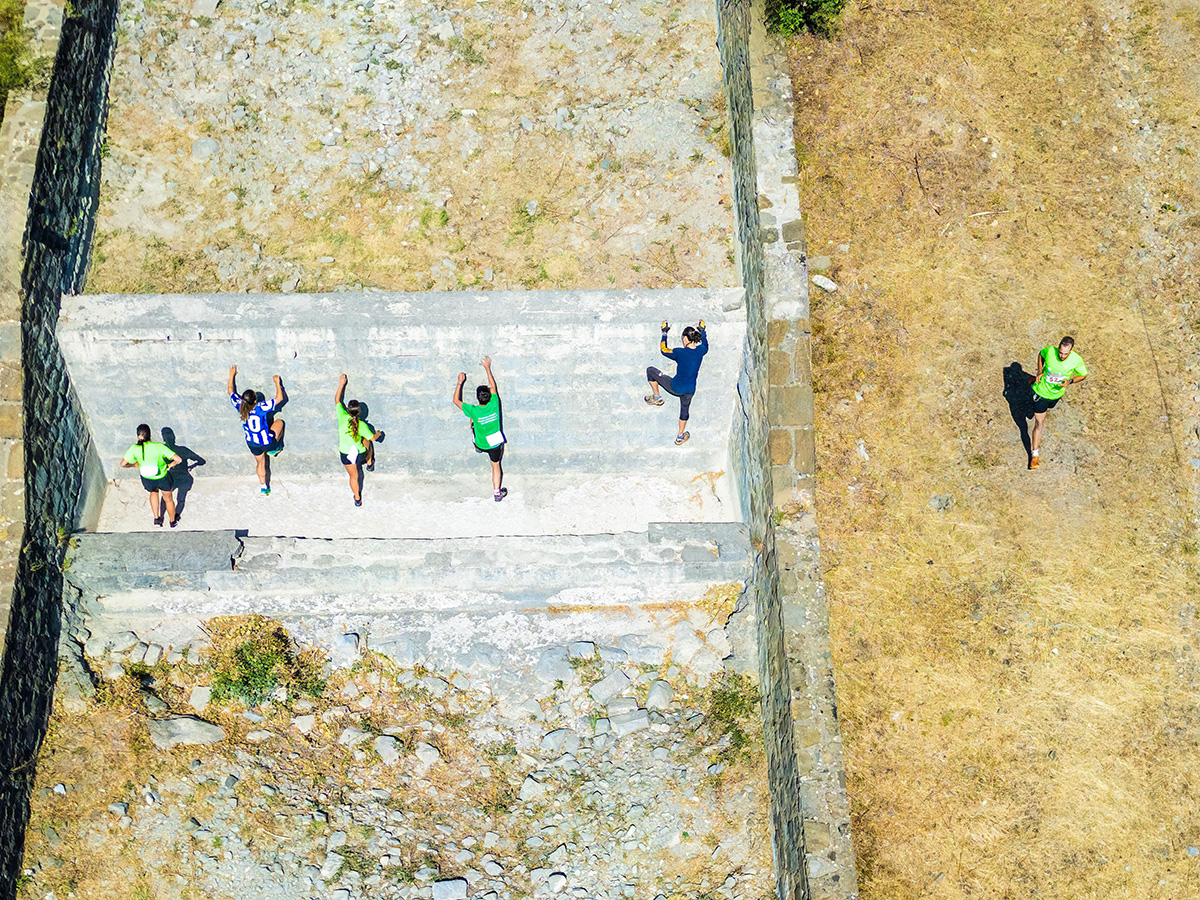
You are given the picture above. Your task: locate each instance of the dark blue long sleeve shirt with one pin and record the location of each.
(687, 363)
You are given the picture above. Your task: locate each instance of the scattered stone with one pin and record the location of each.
(557, 882)
(450, 889)
(352, 737)
(257, 737)
(118, 809)
(628, 723)
(124, 642)
(332, 865)
(531, 788)
(553, 742)
(385, 746)
(204, 148)
(824, 283)
(579, 649)
(427, 753)
(941, 502)
(607, 688)
(819, 263)
(199, 697)
(660, 696)
(168, 733)
(304, 724)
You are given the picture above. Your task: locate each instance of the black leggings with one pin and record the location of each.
(664, 381)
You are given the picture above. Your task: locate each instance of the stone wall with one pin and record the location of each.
(810, 812)
(58, 459)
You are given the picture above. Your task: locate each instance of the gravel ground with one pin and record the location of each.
(614, 781)
(312, 146)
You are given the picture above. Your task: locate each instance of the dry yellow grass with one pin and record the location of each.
(1016, 674)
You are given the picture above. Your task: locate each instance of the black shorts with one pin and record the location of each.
(158, 484)
(494, 453)
(1041, 404)
(347, 461)
(260, 449)
(664, 381)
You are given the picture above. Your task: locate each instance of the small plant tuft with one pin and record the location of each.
(797, 16)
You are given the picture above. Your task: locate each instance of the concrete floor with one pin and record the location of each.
(401, 506)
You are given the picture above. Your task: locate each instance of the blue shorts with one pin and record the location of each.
(260, 449)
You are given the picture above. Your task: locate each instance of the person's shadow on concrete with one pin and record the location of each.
(1020, 401)
(364, 410)
(182, 479)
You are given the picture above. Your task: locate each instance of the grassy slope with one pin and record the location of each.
(1016, 675)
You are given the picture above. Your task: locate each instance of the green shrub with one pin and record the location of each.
(253, 655)
(17, 68)
(795, 16)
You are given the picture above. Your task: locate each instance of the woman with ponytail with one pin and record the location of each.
(264, 437)
(154, 462)
(354, 439)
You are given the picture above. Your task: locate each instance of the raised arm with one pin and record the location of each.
(456, 397)
(341, 390)
(231, 385)
(487, 367)
(662, 343)
(278, 389)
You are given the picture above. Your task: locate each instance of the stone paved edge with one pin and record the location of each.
(828, 843)
(20, 135)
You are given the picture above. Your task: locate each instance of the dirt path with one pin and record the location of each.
(1016, 669)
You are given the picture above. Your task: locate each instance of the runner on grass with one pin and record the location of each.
(486, 424)
(264, 437)
(1057, 367)
(687, 366)
(154, 462)
(355, 439)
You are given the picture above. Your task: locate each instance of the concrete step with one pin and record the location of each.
(451, 506)
(450, 602)
(570, 368)
(525, 569)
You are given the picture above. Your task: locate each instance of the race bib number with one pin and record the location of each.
(495, 439)
(1055, 379)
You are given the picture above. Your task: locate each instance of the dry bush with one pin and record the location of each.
(1016, 692)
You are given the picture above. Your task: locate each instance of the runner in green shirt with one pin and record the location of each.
(486, 424)
(154, 462)
(1057, 367)
(354, 440)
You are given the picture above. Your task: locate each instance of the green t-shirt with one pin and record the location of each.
(1050, 384)
(151, 458)
(485, 423)
(348, 443)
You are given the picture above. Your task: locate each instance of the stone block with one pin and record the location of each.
(10, 420)
(16, 461)
(816, 836)
(793, 231)
(791, 406)
(777, 330)
(802, 359)
(780, 446)
(804, 461)
(779, 367)
(783, 485)
(11, 379)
